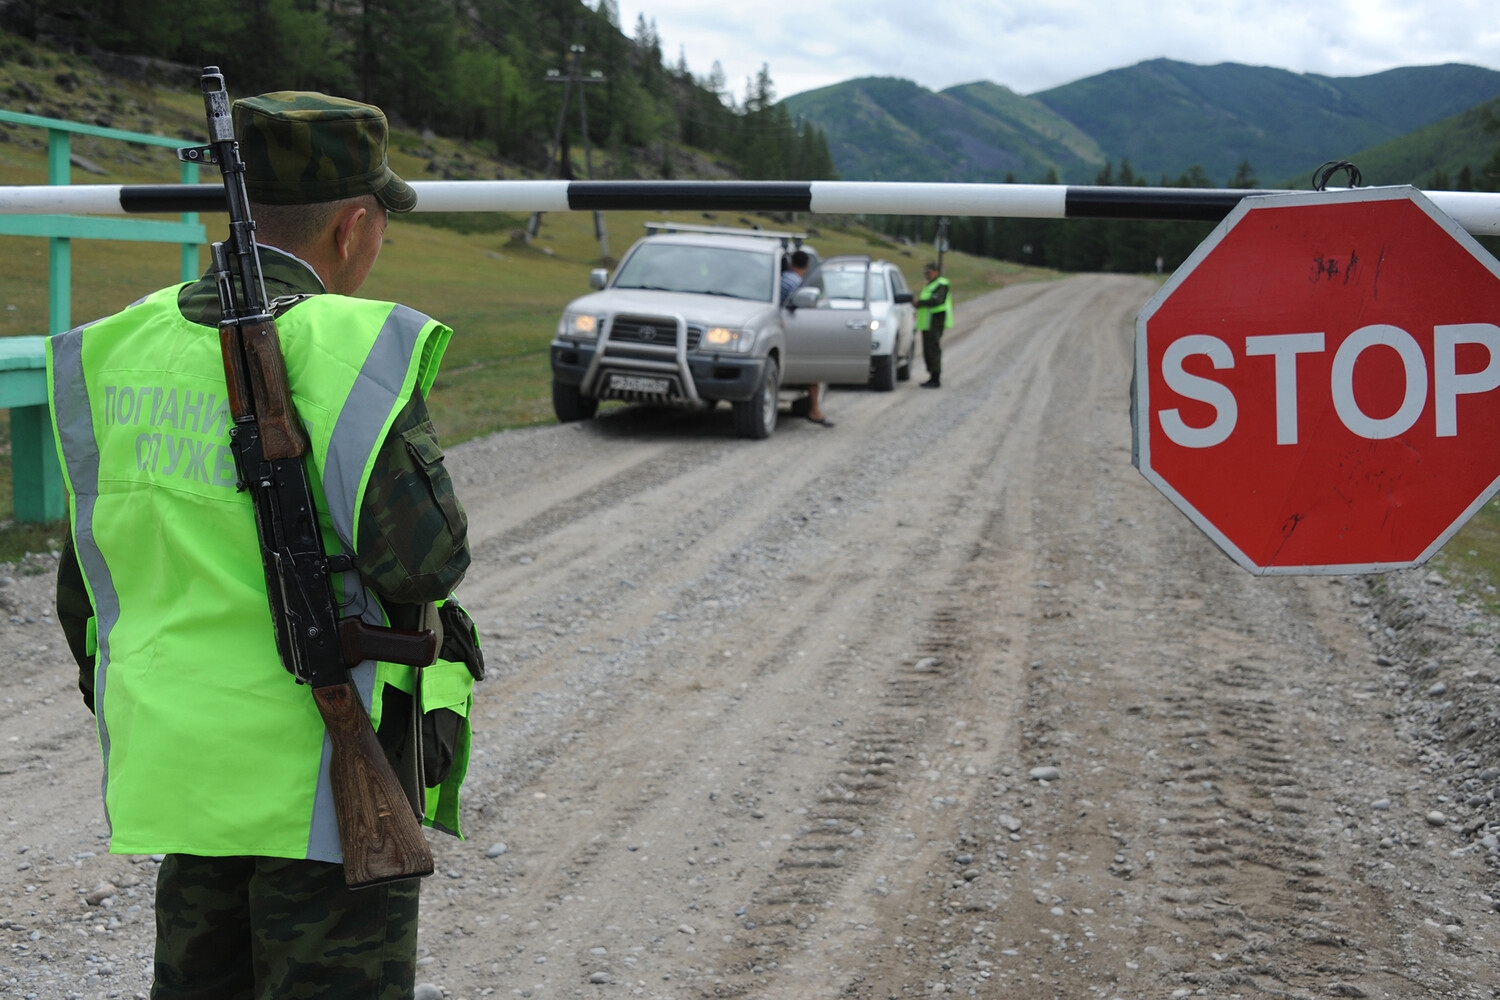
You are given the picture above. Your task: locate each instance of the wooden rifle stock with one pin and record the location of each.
(238, 387)
(281, 434)
(380, 838)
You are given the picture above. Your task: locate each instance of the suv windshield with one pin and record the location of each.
(740, 274)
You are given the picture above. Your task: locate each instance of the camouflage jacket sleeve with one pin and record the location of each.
(413, 544)
(74, 609)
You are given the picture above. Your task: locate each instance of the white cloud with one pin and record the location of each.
(1031, 45)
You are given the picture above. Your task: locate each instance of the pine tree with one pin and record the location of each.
(474, 69)
(1194, 177)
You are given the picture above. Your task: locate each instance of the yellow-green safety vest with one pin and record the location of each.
(209, 746)
(924, 313)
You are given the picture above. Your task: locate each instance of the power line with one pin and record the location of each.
(575, 75)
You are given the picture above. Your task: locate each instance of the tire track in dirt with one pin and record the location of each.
(876, 778)
(827, 604)
(1200, 828)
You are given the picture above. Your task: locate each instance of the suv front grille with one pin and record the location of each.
(656, 331)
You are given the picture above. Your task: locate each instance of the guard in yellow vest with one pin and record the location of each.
(213, 756)
(934, 315)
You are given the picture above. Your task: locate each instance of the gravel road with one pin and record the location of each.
(943, 699)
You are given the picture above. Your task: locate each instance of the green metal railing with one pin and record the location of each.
(35, 473)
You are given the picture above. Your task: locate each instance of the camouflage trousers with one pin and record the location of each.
(251, 928)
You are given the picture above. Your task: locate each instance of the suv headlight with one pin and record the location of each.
(727, 340)
(582, 326)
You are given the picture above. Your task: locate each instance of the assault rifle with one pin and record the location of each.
(379, 833)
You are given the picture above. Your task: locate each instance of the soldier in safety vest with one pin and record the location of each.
(934, 315)
(213, 755)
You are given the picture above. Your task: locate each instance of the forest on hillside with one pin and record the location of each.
(1123, 245)
(471, 69)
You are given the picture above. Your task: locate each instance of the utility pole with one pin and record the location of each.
(940, 242)
(575, 75)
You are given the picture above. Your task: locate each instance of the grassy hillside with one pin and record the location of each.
(1413, 96)
(36, 80)
(1063, 143)
(880, 128)
(1166, 115)
(1432, 156)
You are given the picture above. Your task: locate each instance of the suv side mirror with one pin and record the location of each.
(903, 298)
(804, 298)
(598, 278)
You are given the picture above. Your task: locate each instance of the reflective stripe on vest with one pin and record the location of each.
(210, 747)
(79, 453)
(924, 313)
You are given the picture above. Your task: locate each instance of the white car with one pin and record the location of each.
(869, 295)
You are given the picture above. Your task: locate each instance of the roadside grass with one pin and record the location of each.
(1471, 559)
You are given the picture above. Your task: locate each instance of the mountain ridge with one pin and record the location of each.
(1162, 115)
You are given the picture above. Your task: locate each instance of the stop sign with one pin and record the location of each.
(1316, 386)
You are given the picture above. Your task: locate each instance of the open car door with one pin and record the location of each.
(827, 324)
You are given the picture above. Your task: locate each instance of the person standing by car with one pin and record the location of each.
(791, 280)
(934, 315)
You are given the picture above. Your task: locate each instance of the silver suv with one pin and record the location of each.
(693, 315)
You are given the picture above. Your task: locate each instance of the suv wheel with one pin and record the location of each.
(756, 417)
(570, 404)
(883, 373)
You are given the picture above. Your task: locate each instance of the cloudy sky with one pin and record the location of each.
(1031, 45)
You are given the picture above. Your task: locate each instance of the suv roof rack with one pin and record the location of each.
(794, 239)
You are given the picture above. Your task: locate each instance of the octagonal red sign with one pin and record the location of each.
(1318, 387)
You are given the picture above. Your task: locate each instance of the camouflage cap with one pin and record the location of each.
(302, 147)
